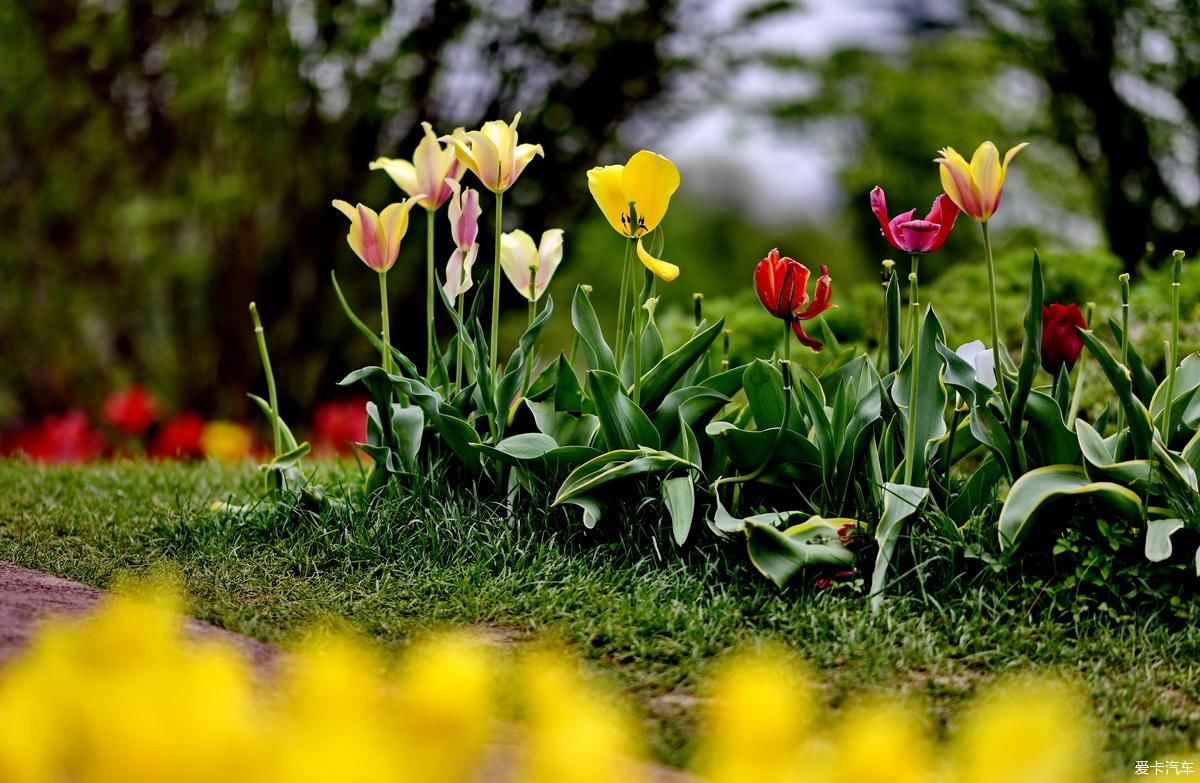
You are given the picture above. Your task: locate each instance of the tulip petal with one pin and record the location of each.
(958, 184)
(649, 180)
(402, 173)
(394, 222)
(550, 253)
(604, 182)
(944, 212)
(458, 272)
(879, 207)
(988, 177)
(372, 238)
(521, 158)
(663, 270)
(517, 255)
(798, 330)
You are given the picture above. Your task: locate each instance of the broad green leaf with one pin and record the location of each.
(1143, 380)
(748, 449)
(1101, 464)
(616, 465)
(1158, 538)
(565, 428)
(408, 425)
(514, 370)
(679, 495)
(764, 391)
(568, 394)
(988, 430)
(1047, 436)
(1137, 417)
(1187, 381)
(623, 424)
(691, 404)
(978, 490)
(1031, 349)
(900, 503)
(591, 510)
(1041, 488)
(587, 326)
(529, 445)
(780, 555)
(931, 392)
(658, 381)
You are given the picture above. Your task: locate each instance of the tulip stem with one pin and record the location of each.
(458, 361)
(1077, 393)
(995, 320)
(891, 303)
(910, 442)
(637, 341)
(1124, 280)
(532, 315)
(495, 342)
(261, 337)
(387, 329)
(429, 338)
(1173, 360)
(622, 308)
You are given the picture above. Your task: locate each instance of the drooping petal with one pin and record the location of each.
(550, 253)
(402, 173)
(604, 182)
(988, 176)
(944, 212)
(810, 342)
(524, 154)
(663, 270)
(649, 180)
(820, 301)
(879, 207)
(517, 255)
(958, 184)
(458, 272)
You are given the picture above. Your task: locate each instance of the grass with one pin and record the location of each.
(653, 619)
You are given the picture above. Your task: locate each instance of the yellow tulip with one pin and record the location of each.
(375, 237)
(425, 176)
(226, 441)
(493, 154)
(975, 187)
(634, 198)
(522, 260)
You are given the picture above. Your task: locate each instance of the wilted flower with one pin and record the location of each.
(915, 236)
(981, 359)
(375, 238)
(976, 186)
(226, 441)
(520, 257)
(493, 154)
(464, 214)
(179, 438)
(634, 198)
(426, 178)
(782, 286)
(1061, 342)
(131, 410)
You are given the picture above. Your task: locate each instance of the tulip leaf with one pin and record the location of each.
(587, 326)
(1187, 381)
(1158, 538)
(509, 385)
(748, 449)
(1031, 349)
(568, 429)
(1143, 379)
(1048, 437)
(615, 465)
(764, 391)
(591, 510)
(285, 434)
(931, 393)
(1136, 416)
(1101, 464)
(900, 503)
(623, 424)
(782, 554)
(690, 405)
(662, 377)
(1041, 488)
(568, 394)
(679, 495)
(988, 430)
(977, 492)
(456, 433)
(408, 424)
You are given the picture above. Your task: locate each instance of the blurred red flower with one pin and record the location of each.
(1061, 343)
(338, 425)
(179, 438)
(66, 438)
(131, 410)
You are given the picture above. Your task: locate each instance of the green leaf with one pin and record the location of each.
(764, 391)
(931, 393)
(988, 430)
(679, 495)
(616, 465)
(747, 449)
(1158, 538)
(978, 490)
(529, 445)
(780, 555)
(514, 370)
(1187, 381)
(690, 405)
(1041, 488)
(623, 424)
(1031, 349)
(1101, 463)
(408, 424)
(1047, 435)
(565, 428)
(662, 377)
(1143, 380)
(900, 503)
(587, 326)
(591, 510)
(1136, 416)
(286, 436)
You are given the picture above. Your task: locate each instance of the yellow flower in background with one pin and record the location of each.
(880, 740)
(226, 441)
(524, 262)
(375, 237)
(634, 198)
(975, 187)
(493, 154)
(757, 722)
(1028, 731)
(424, 177)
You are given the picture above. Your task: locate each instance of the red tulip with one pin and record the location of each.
(1061, 343)
(69, 438)
(915, 236)
(131, 410)
(179, 438)
(782, 286)
(338, 425)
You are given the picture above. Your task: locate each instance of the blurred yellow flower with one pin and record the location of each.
(634, 198)
(425, 177)
(226, 441)
(975, 187)
(880, 740)
(493, 154)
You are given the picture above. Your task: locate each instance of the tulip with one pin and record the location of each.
(529, 267)
(426, 179)
(375, 238)
(981, 360)
(226, 441)
(976, 186)
(1061, 342)
(464, 214)
(911, 236)
(131, 410)
(493, 154)
(179, 437)
(782, 287)
(428, 176)
(634, 198)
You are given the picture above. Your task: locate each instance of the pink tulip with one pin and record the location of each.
(915, 237)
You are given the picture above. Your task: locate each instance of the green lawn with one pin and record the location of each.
(650, 617)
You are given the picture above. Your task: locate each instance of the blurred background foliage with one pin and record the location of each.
(164, 162)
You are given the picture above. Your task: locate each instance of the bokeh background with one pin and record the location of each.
(164, 162)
